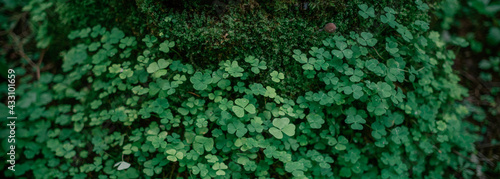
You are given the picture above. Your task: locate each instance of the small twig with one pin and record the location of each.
(378, 53)
(472, 78)
(20, 51)
(488, 146)
(486, 159)
(193, 93)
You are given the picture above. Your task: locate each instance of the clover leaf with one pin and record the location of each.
(424, 26)
(282, 125)
(384, 89)
(201, 169)
(270, 92)
(377, 105)
(97, 30)
(405, 33)
(233, 69)
(237, 128)
(127, 42)
(313, 63)
(299, 56)
(201, 81)
(315, 120)
(400, 135)
(343, 50)
(174, 155)
(166, 45)
(424, 7)
(257, 89)
(256, 125)
(393, 119)
(367, 39)
(365, 11)
(392, 47)
(241, 106)
(378, 130)
(220, 167)
(296, 168)
(276, 76)
(373, 65)
(389, 18)
(112, 37)
(149, 40)
(157, 138)
(202, 144)
(356, 76)
(160, 64)
(256, 64)
(330, 79)
(341, 144)
(94, 46)
(354, 119)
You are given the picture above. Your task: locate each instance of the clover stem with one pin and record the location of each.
(378, 53)
(177, 53)
(172, 171)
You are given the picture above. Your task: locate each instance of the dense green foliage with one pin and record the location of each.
(479, 24)
(255, 90)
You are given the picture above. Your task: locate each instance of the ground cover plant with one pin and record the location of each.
(235, 89)
(478, 25)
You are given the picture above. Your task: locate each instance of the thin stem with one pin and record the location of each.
(20, 51)
(378, 53)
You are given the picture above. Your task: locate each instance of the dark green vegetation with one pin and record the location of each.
(212, 89)
(478, 22)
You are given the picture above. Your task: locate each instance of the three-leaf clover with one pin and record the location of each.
(343, 50)
(270, 92)
(296, 168)
(242, 106)
(201, 81)
(373, 65)
(392, 47)
(166, 45)
(315, 120)
(174, 155)
(365, 11)
(127, 42)
(233, 69)
(237, 128)
(354, 119)
(282, 125)
(202, 144)
(256, 64)
(367, 39)
(220, 167)
(112, 37)
(159, 65)
(157, 138)
(378, 130)
(355, 90)
(422, 25)
(400, 135)
(149, 40)
(277, 76)
(384, 89)
(389, 18)
(330, 79)
(405, 33)
(341, 143)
